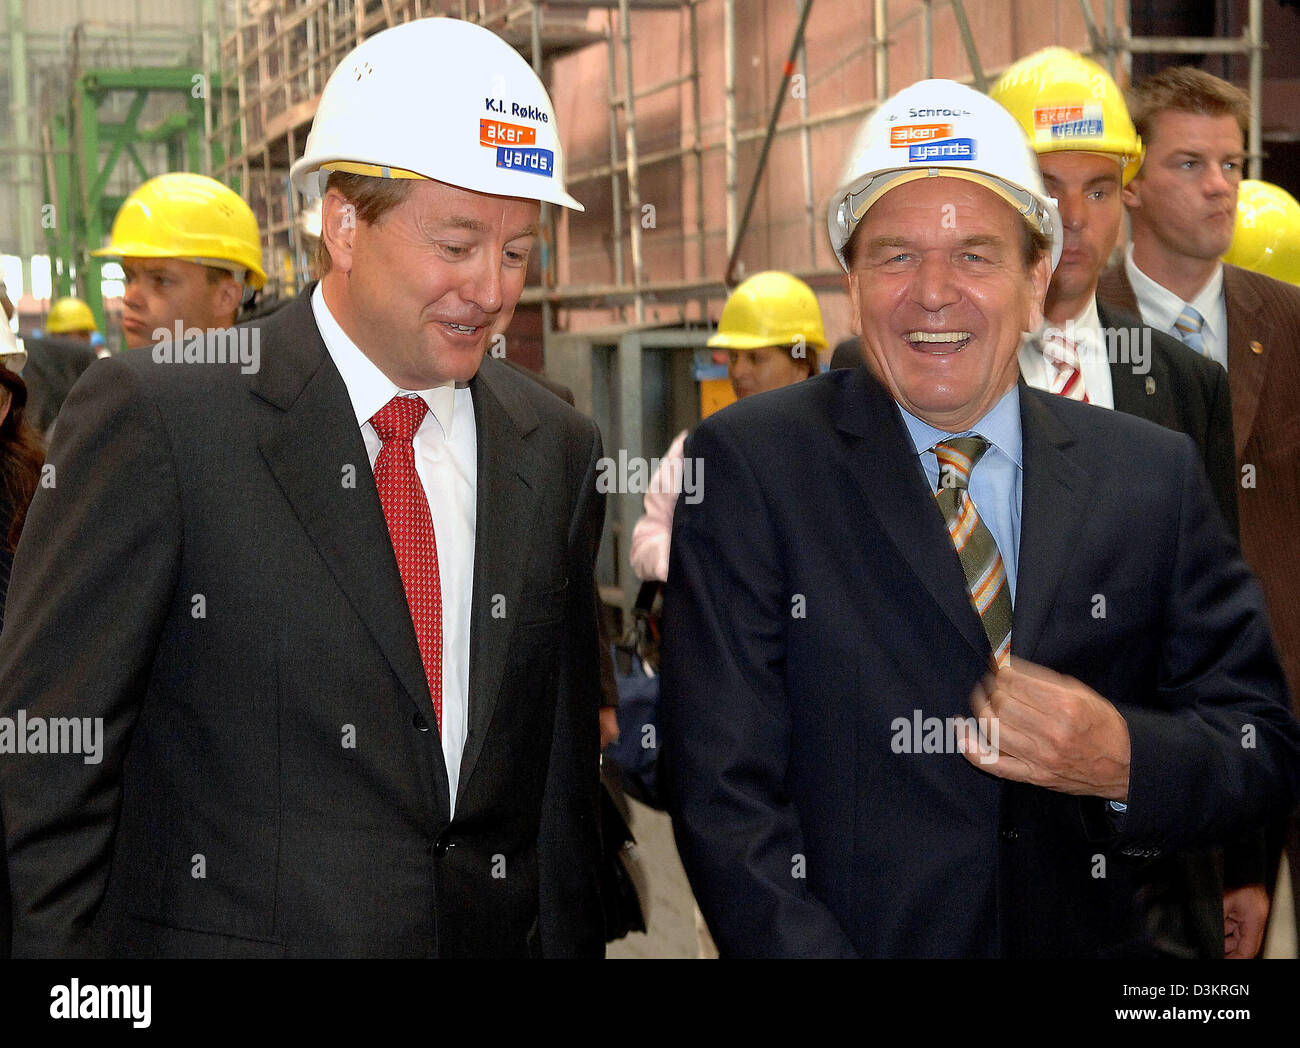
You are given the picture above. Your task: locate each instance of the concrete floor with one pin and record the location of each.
(670, 909)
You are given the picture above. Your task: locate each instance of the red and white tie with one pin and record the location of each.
(1062, 352)
(410, 525)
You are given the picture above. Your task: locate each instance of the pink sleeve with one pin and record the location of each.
(653, 532)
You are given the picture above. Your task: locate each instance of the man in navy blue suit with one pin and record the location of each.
(1021, 663)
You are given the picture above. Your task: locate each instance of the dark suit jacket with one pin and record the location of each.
(789, 665)
(53, 366)
(1184, 391)
(1188, 392)
(1264, 375)
(271, 783)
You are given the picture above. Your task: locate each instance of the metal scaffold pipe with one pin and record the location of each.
(786, 72)
(633, 175)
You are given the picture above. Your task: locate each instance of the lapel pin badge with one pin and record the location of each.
(1151, 386)
(1256, 348)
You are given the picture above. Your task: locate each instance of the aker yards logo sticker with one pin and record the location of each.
(498, 133)
(909, 134)
(538, 161)
(1080, 121)
(946, 149)
(514, 143)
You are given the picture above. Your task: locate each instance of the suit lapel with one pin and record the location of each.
(1115, 288)
(886, 470)
(510, 476)
(313, 450)
(1053, 508)
(1245, 367)
(1134, 394)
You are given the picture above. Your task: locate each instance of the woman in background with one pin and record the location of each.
(21, 454)
(771, 326)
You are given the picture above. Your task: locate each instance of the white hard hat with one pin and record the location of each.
(940, 128)
(442, 99)
(13, 354)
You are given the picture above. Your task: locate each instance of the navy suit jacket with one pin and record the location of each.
(814, 599)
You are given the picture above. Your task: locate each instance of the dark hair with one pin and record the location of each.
(1034, 245)
(809, 358)
(216, 275)
(1185, 89)
(371, 196)
(21, 457)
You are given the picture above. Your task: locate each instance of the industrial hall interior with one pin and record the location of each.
(650, 478)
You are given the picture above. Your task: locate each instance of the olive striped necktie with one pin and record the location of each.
(981, 561)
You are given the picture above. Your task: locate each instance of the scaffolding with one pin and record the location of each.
(275, 58)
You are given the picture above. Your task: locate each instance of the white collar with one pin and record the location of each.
(1160, 307)
(1084, 329)
(368, 387)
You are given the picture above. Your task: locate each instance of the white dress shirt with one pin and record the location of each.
(1094, 361)
(1161, 307)
(446, 460)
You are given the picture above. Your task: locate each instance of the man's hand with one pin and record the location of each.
(608, 725)
(1049, 730)
(1245, 912)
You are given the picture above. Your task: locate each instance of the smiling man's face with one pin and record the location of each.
(424, 288)
(941, 293)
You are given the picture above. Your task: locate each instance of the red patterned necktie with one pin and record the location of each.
(1062, 352)
(406, 509)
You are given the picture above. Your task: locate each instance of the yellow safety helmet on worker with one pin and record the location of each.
(940, 128)
(190, 252)
(1267, 234)
(70, 316)
(1078, 123)
(1065, 102)
(770, 309)
(190, 217)
(771, 327)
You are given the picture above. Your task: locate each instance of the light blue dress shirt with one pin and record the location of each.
(996, 485)
(996, 480)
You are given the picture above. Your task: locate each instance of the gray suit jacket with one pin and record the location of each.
(207, 578)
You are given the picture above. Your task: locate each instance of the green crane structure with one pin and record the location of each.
(82, 151)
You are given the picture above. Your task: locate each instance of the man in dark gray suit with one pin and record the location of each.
(331, 601)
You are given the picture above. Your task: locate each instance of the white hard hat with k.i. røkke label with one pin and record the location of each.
(443, 99)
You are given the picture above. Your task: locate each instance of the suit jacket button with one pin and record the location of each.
(1009, 834)
(442, 845)
(419, 722)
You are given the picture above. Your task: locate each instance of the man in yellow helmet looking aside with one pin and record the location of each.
(189, 247)
(1075, 117)
(771, 328)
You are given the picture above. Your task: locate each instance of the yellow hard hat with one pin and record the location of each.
(191, 217)
(1267, 237)
(1065, 102)
(68, 315)
(770, 309)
